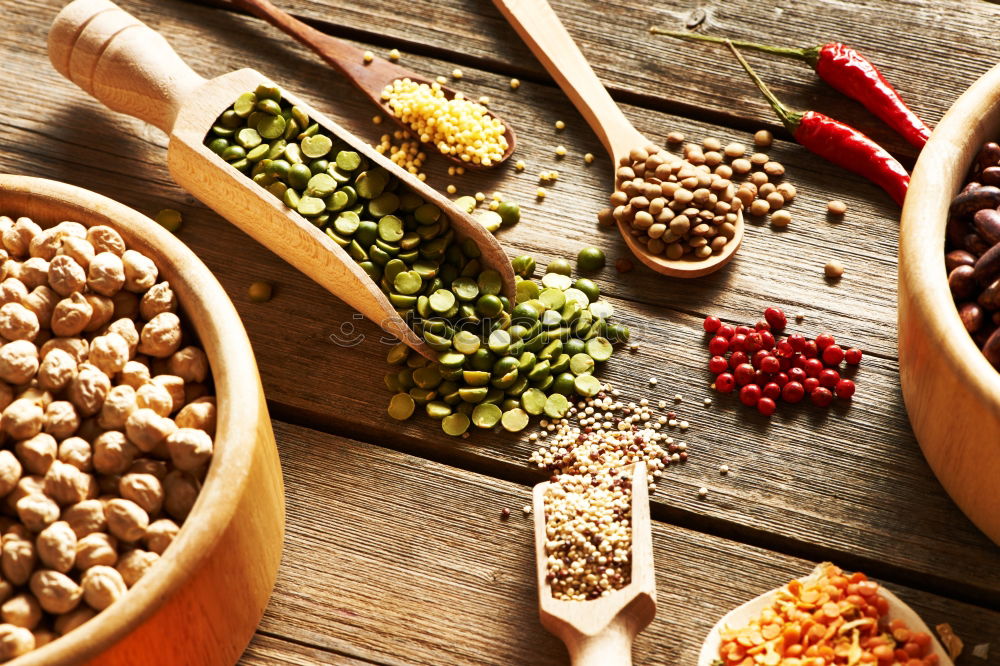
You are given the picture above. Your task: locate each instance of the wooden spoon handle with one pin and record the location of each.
(121, 61)
(611, 647)
(548, 39)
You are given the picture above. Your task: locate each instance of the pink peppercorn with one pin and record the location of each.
(738, 358)
(718, 364)
(753, 342)
(743, 330)
(759, 356)
(750, 394)
(824, 340)
(718, 345)
(770, 364)
(725, 383)
(760, 377)
(781, 379)
(797, 375)
(828, 378)
(776, 318)
(792, 392)
(738, 342)
(767, 339)
(810, 384)
(798, 342)
(726, 331)
(771, 390)
(784, 349)
(853, 356)
(784, 363)
(762, 326)
(766, 406)
(833, 355)
(810, 350)
(799, 361)
(743, 374)
(845, 389)
(821, 397)
(711, 324)
(814, 366)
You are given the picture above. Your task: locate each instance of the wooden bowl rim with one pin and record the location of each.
(235, 375)
(938, 175)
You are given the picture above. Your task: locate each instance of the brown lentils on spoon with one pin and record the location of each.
(973, 252)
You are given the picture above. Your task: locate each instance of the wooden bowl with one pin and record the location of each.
(201, 602)
(951, 392)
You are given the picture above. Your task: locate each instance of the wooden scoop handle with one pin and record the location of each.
(543, 32)
(611, 647)
(121, 61)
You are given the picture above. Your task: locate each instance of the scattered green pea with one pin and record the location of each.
(169, 219)
(401, 406)
(560, 266)
(455, 424)
(590, 259)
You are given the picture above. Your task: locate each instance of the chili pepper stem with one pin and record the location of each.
(790, 119)
(809, 55)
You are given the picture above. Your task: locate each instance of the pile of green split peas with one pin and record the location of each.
(497, 362)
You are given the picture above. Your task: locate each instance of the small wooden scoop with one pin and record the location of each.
(545, 35)
(132, 69)
(600, 632)
(751, 610)
(370, 77)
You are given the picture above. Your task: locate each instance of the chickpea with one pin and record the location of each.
(61, 420)
(189, 448)
(34, 272)
(56, 546)
(134, 374)
(109, 353)
(117, 407)
(143, 489)
(102, 586)
(37, 511)
(86, 517)
(106, 239)
(77, 452)
(104, 310)
(71, 315)
(15, 641)
(56, 592)
(65, 484)
(134, 564)
(190, 364)
(161, 336)
(56, 370)
(126, 519)
(45, 244)
(65, 275)
(96, 549)
(159, 298)
(155, 396)
(17, 239)
(37, 453)
(18, 362)
(69, 621)
(180, 492)
(78, 348)
(140, 271)
(23, 419)
(17, 322)
(106, 274)
(42, 301)
(12, 290)
(10, 471)
(17, 559)
(160, 534)
(113, 453)
(26, 485)
(22, 611)
(147, 429)
(88, 389)
(69, 228)
(127, 330)
(175, 385)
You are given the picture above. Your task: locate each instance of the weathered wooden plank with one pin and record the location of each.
(409, 560)
(798, 485)
(931, 50)
(268, 650)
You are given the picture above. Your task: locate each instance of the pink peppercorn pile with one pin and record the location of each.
(765, 370)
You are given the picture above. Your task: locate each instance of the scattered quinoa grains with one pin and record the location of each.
(368, 57)
(394, 55)
(526, 509)
(504, 513)
(519, 165)
(560, 151)
(781, 218)
(260, 292)
(675, 138)
(456, 73)
(833, 269)
(588, 158)
(707, 401)
(763, 139)
(703, 492)
(723, 469)
(836, 207)
(515, 84)
(624, 265)
(560, 125)
(169, 219)
(480, 197)
(540, 193)
(441, 79)
(451, 189)
(799, 317)
(377, 119)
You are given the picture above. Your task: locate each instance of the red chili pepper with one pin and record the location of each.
(847, 71)
(839, 143)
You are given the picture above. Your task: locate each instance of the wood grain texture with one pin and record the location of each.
(930, 50)
(848, 481)
(410, 561)
(268, 650)
(230, 544)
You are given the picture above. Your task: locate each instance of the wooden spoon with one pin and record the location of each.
(132, 69)
(600, 632)
(742, 616)
(545, 35)
(371, 78)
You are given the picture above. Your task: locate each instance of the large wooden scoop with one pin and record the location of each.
(600, 632)
(132, 69)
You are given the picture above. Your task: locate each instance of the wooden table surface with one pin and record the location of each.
(395, 552)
